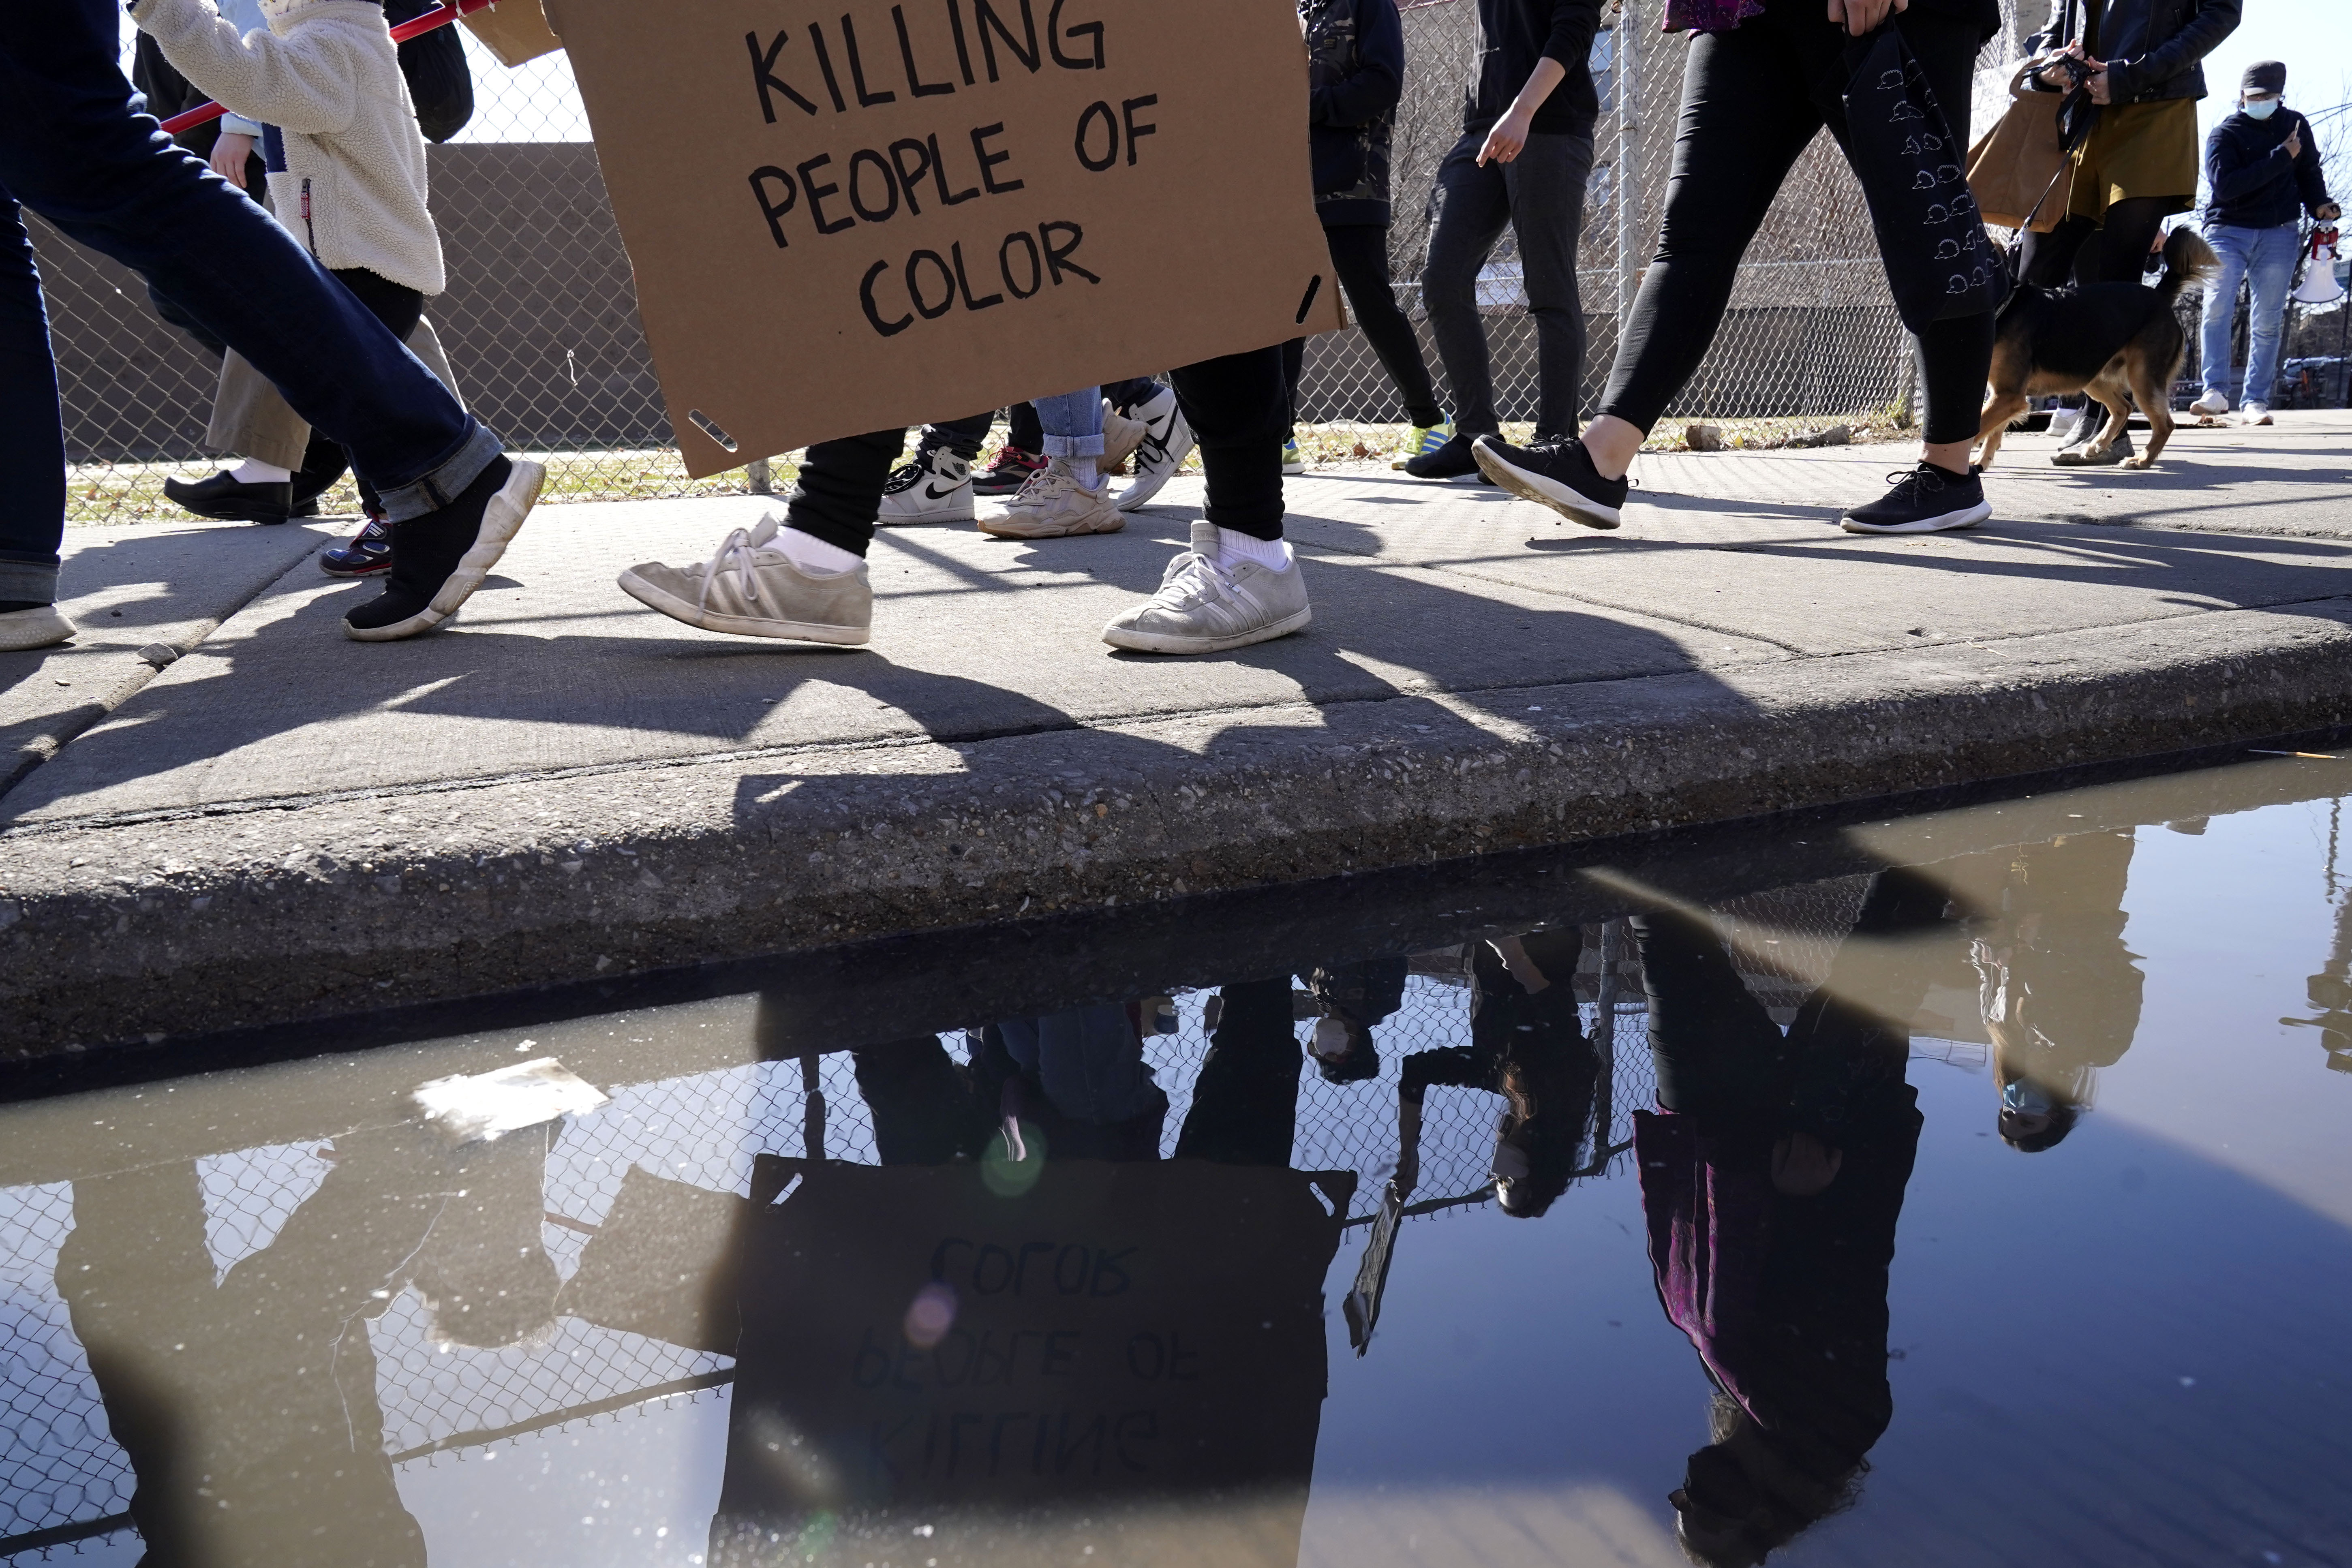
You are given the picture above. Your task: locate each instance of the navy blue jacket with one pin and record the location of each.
(1355, 73)
(1516, 35)
(2255, 183)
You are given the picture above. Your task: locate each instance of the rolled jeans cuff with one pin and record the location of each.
(1074, 445)
(32, 580)
(443, 483)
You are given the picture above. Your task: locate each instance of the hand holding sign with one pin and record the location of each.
(847, 220)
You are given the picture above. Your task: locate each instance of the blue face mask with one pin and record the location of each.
(2261, 108)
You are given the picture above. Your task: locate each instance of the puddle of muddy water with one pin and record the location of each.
(1983, 1196)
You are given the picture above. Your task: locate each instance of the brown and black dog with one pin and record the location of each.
(2103, 338)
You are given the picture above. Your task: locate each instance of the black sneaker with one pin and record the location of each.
(368, 552)
(1005, 475)
(223, 500)
(1451, 461)
(1556, 473)
(1925, 499)
(439, 559)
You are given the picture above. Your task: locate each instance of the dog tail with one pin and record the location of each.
(2187, 260)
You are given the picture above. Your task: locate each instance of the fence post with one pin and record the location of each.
(1628, 173)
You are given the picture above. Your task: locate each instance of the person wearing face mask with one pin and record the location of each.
(2264, 168)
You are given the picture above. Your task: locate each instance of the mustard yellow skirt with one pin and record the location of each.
(2137, 150)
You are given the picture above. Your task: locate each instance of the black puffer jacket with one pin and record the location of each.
(2151, 47)
(1355, 73)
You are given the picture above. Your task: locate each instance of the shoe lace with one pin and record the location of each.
(741, 551)
(1192, 579)
(1912, 481)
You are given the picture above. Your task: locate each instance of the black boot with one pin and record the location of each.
(223, 500)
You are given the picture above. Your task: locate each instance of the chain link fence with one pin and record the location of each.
(540, 326)
(65, 1484)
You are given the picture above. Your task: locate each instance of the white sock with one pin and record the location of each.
(1272, 554)
(813, 555)
(254, 471)
(1083, 470)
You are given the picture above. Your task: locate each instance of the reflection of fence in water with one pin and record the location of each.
(61, 1466)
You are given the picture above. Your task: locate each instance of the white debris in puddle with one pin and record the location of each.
(482, 1106)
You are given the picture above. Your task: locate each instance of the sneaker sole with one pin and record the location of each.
(1162, 642)
(24, 629)
(1967, 517)
(916, 518)
(344, 575)
(693, 615)
(501, 520)
(1543, 491)
(1006, 528)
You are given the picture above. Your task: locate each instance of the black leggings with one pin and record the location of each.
(1359, 255)
(1753, 99)
(1238, 406)
(2111, 248)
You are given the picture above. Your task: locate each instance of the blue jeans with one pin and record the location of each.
(1072, 422)
(2264, 256)
(78, 147)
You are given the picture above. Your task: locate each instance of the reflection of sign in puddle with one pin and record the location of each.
(1128, 1358)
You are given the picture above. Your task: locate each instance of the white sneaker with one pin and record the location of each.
(1121, 437)
(753, 589)
(2213, 405)
(935, 488)
(1203, 607)
(1054, 505)
(2254, 413)
(41, 626)
(2065, 424)
(1166, 444)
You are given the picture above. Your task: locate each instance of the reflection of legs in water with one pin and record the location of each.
(1852, 1038)
(925, 1109)
(1524, 1018)
(1716, 1049)
(1245, 1101)
(261, 1391)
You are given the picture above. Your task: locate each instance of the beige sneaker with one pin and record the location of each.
(753, 589)
(1121, 437)
(1054, 505)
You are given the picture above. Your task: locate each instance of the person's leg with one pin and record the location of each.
(1473, 205)
(1359, 255)
(1546, 185)
(1748, 112)
(2270, 272)
(2127, 231)
(1069, 495)
(964, 438)
(1714, 1045)
(2047, 259)
(1744, 119)
(1245, 1101)
(76, 148)
(1238, 584)
(840, 490)
(1022, 428)
(251, 420)
(32, 447)
(2235, 247)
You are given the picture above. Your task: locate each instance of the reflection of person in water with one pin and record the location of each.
(2061, 993)
(248, 1407)
(1076, 1081)
(1528, 1044)
(1353, 999)
(1772, 1174)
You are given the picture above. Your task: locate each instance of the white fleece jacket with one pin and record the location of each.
(327, 75)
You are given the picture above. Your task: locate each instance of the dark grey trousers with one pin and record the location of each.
(1540, 195)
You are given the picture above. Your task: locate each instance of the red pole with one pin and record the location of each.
(449, 11)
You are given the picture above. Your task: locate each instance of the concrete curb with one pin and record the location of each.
(274, 911)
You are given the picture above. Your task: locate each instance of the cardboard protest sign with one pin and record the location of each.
(865, 214)
(513, 30)
(1127, 1358)
(662, 1264)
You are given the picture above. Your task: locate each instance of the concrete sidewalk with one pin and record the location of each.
(287, 824)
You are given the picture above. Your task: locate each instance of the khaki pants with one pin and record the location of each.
(250, 420)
